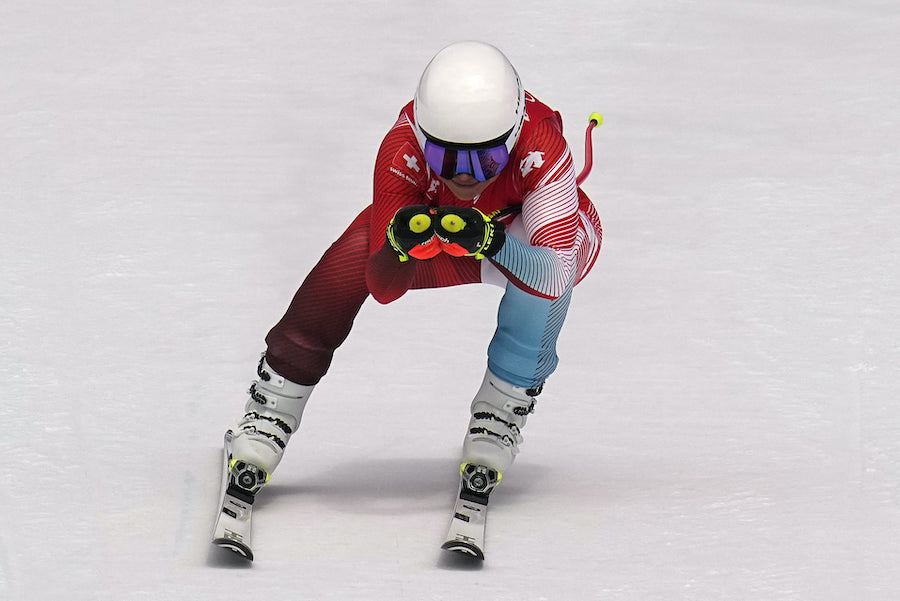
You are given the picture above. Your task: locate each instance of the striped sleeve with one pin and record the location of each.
(546, 264)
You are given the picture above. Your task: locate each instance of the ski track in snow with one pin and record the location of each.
(724, 421)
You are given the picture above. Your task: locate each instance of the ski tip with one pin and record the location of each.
(463, 548)
(233, 545)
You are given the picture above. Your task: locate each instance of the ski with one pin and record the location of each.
(240, 482)
(466, 532)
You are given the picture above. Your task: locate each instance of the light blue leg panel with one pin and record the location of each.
(523, 350)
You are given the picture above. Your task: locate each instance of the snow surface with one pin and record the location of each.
(724, 423)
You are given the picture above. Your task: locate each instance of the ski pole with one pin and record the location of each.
(595, 120)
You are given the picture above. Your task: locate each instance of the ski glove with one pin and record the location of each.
(411, 233)
(467, 232)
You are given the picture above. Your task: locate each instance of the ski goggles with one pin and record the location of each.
(482, 161)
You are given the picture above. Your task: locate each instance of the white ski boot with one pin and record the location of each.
(499, 412)
(272, 415)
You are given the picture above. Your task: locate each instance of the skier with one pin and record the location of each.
(473, 183)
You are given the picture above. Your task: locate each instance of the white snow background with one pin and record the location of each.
(724, 424)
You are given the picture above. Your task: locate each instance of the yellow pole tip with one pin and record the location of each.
(596, 118)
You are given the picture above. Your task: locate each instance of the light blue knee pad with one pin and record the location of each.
(523, 350)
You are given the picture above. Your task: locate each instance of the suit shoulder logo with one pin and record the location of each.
(533, 160)
(406, 164)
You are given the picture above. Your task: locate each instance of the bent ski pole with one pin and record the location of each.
(595, 120)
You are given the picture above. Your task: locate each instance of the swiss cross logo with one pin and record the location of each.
(534, 160)
(406, 164)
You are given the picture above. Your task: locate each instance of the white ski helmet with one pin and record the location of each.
(470, 94)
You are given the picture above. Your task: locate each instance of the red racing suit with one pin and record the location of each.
(559, 240)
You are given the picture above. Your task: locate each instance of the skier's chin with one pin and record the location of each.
(466, 188)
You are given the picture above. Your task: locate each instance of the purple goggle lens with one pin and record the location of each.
(482, 164)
